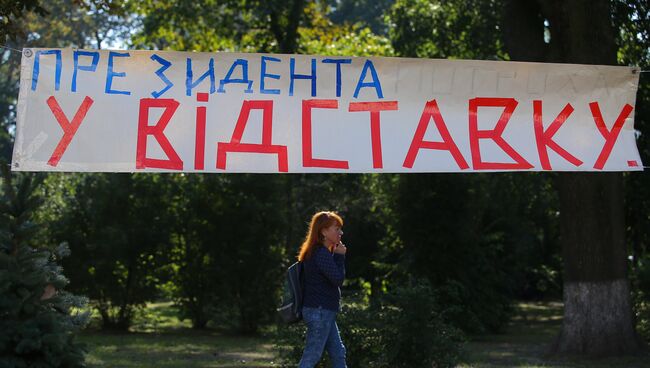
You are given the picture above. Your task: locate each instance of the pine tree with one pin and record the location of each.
(38, 318)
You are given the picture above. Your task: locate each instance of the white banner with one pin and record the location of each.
(154, 111)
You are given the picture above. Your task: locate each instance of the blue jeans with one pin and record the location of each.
(322, 334)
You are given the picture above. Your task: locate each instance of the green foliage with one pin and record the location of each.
(330, 39)
(445, 29)
(453, 249)
(74, 23)
(38, 332)
(246, 236)
(418, 333)
(632, 18)
(369, 13)
(222, 268)
(220, 25)
(408, 328)
(117, 226)
(37, 318)
(87, 19)
(640, 278)
(479, 240)
(172, 346)
(189, 25)
(193, 266)
(10, 13)
(264, 26)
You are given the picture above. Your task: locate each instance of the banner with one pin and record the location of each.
(159, 111)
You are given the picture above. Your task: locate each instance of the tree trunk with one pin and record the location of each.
(598, 318)
(286, 31)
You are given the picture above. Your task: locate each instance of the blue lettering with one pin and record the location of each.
(111, 74)
(244, 79)
(264, 74)
(160, 73)
(375, 80)
(338, 63)
(37, 62)
(89, 68)
(294, 76)
(189, 84)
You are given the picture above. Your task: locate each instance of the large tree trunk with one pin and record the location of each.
(597, 309)
(598, 317)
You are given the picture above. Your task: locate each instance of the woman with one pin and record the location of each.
(323, 257)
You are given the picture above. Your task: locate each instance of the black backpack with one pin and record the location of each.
(290, 310)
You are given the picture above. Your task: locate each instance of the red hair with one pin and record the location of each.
(314, 237)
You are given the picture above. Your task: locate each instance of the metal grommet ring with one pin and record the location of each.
(28, 52)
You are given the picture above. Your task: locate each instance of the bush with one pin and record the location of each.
(407, 328)
(466, 254)
(38, 330)
(358, 331)
(417, 332)
(38, 318)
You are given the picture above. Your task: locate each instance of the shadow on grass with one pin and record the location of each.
(526, 341)
(168, 342)
(158, 338)
(179, 348)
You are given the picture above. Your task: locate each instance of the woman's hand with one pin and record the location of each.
(340, 248)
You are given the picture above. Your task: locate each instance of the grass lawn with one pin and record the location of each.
(526, 340)
(160, 340)
(177, 349)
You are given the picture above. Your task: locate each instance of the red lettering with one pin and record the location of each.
(610, 135)
(431, 111)
(199, 147)
(173, 161)
(375, 108)
(509, 105)
(307, 156)
(544, 138)
(69, 128)
(266, 147)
